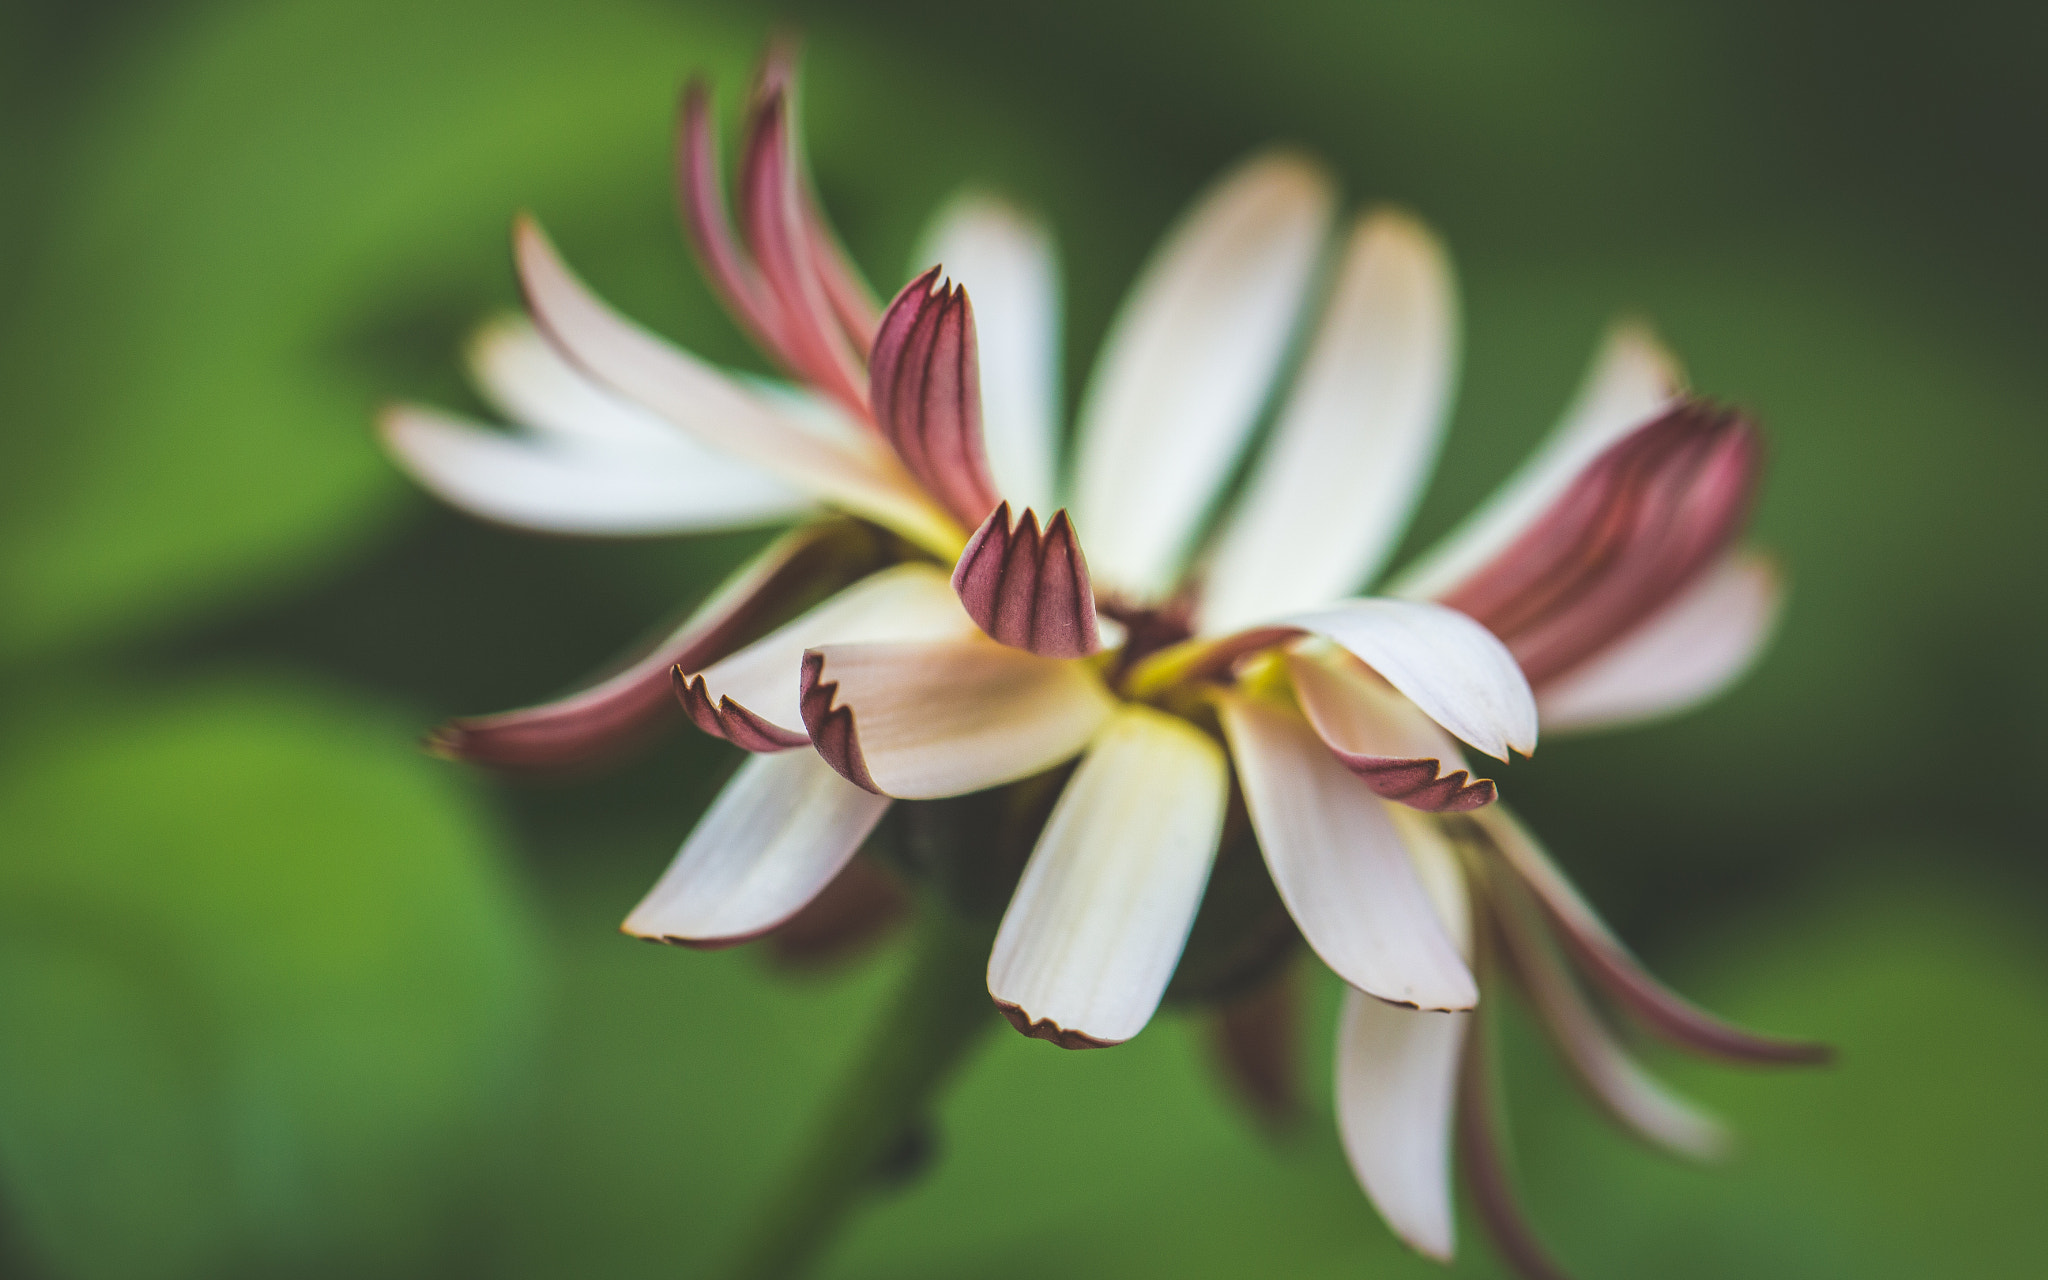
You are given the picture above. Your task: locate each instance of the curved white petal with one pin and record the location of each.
(536, 482)
(1356, 440)
(1187, 366)
(1684, 654)
(1633, 378)
(776, 835)
(1397, 1072)
(1455, 670)
(1339, 863)
(856, 473)
(1005, 259)
(922, 720)
(1098, 921)
(907, 602)
(1381, 737)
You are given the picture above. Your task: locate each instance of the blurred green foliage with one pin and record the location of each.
(280, 996)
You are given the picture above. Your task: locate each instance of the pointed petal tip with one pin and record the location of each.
(1029, 590)
(730, 720)
(1049, 1031)
(832, 728)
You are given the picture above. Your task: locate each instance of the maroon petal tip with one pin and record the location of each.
(1416, 783)
(832, 728)
(1048, 1030)
(737, 724)
(1029, 590)
(924, 387)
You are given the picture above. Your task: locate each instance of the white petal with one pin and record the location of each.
(1187, 366)
(530, 382)
(943, 718)
(1099, 919)
(855, 473)
(1633, 379)
(1443, 877)
(1339, 863)
(907, 602)
(1681, 656)
(538, 483)
(1455, 670)
(1397, 1072)
(782, 828)
(1005, 259)
(1355, 443)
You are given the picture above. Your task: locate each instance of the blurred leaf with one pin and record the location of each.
(262, 985)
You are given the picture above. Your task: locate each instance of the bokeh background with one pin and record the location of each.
(280, 995)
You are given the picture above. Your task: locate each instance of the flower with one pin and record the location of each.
(1183, 660)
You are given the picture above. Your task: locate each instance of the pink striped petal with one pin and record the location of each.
(1619, 975)
(772, 840)
(1381, 737)
(616, 714)
(1687, 652)
(1397, 1072)
(1339, 863)
(1098, 922)
(1633, 379)
(701, 195)
(1029, 591)
(922, 720)
(925, 388)
(754, 697)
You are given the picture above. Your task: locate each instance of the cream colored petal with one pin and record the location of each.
(1187, 366)
(1355, 442)
(535, 482)
(857, 473)
(1632, 380)
(1339, 863)
(1452, 668)
(1397, 1072)
(939, 718)
(1687, 652)
(776, 835)
(907, 602)
(1098, 921)
(1381, 736)
(1005, 259)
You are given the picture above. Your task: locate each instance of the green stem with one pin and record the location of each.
(914, 1044)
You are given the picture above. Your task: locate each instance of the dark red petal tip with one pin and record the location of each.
(1415, 783)
(1029, 590)
(832, 728)
(924, 387)
(1048, 1030)
(727, 719)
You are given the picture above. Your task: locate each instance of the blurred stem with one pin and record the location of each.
(916, 1041)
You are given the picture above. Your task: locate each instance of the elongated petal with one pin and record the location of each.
(1397, 1072)
(925, 389)
(1029, 591)
(922, 720)
(1006, 258)
(1381, 737)
(1189, 363)
(754, 697)
(1098, 921)
(701, 196)
(619, 713)
(775, 837)
(533, 483)
(1482, 1160)
(1633, 379)
(856, 473)
(1693, 648)
(1356, 439)
(533, 385)
(1339, 864)
(1637, 1100)
(1442, 661)
(1608, 964)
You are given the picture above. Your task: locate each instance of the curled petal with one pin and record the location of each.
(1683, 655)
(1382, 738)
(1099, 920)
(701, 192)
(1027, 590)
(1188, 364)
(1633, 379)
(1638, 525)
(776, 836)
(925, 388)
(618, 713)
(1339, 863)
(1610, 967)
(754, 697)
(1397, 1072)
(940, 718)
(1355, 439)
(1484, 1164)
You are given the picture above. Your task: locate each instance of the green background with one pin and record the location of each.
(280, 995)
